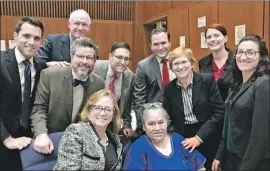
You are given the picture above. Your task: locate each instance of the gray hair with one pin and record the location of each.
(79, 12)
(155, 107)
(84, 42)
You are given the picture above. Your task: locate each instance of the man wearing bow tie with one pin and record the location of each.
(62, 93)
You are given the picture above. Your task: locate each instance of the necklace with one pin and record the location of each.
(105, 141)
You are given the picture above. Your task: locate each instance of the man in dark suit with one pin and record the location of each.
(56, 49)
(152, 73)
(20, 72)
(62, 93)
(119, 79)
(194, 104)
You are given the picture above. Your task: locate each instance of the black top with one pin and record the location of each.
(110, 156)
(226, 78)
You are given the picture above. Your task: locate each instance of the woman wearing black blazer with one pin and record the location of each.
(194, 104)
(245, 138)
(219, 61)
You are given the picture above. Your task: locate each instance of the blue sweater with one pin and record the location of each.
(142, 155)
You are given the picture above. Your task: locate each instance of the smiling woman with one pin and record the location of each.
(194, 104)
(93, 143)
(219, 61)
(247, 110)
(159, 144)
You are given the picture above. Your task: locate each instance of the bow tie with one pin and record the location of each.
(83, 83)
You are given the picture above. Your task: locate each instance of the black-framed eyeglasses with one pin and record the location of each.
(97, 109)
(248, 53)
(119, 57)
(152, 105)
(82, 57)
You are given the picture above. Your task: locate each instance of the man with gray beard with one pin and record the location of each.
(62, 93)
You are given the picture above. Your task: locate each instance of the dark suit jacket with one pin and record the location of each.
(101, 69)
(225, 81)
(10, 93)
(207, 105)
(52, 109)
(56, 47)
(249, 117)
(147, 85)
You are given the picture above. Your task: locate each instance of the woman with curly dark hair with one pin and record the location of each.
(245, 139)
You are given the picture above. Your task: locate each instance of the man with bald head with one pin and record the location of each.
(57, 47)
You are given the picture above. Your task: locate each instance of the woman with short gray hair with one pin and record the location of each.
(160, 149)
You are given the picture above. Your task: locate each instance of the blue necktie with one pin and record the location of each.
(26, 104)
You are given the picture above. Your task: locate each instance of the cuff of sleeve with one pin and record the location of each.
(199, 138)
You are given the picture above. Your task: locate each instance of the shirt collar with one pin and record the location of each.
(110, 72)
(190, 84)
(160, 59)
(20, 58)
(74, 76)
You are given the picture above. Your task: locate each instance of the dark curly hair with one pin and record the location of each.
(263, 65)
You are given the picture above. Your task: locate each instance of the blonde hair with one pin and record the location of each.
(181, 52)
(116, 121)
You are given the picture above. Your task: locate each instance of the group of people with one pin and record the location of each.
(214, 119)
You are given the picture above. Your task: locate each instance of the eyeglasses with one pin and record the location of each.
(152, 105)
(177, 64)
(97, 109)
(248, 53)
(119, 57)
(82, 57)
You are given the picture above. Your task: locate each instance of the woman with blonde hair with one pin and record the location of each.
(93, 143)
(194, 104)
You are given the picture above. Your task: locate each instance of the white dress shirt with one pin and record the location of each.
(20, 58)
(171, 74)
(78, 93)
(118, 82)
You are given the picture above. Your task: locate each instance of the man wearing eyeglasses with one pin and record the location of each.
(119, 79)
(62, 93)
(56, 50)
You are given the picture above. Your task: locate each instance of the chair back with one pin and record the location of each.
(32, 160)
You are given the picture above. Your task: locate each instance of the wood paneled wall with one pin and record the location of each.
(266, 24)
(154, 8)
(101, 10)
(251, 17)
(182, 18)
(105, 33)
(210, 11)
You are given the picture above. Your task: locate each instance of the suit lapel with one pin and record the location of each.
(124, 90)
(243, 89)
(156, 69)
(90, 89)
(67, 86)
(65, 48)
(228, 65)
(12, 67)
(196, 88)
(103, 70)
(176, 94)
(207, 65)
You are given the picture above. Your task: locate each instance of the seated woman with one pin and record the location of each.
(160, 149)
(89, 144)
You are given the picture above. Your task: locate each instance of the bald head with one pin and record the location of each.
(79, 23)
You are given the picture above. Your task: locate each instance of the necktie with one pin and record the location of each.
(26, 104)
(112, 82)
(165, 73)
(76, 82)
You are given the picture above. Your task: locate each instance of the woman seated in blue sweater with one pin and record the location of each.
(160, 149)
